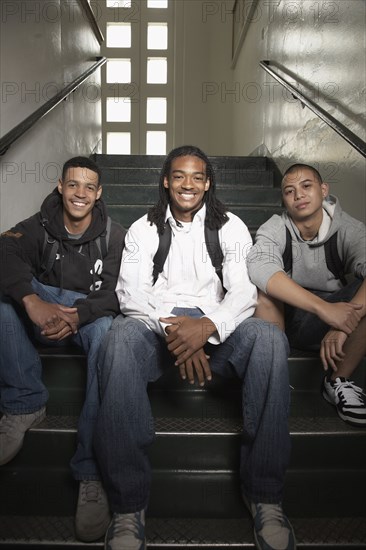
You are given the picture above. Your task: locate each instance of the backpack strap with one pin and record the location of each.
(49, 252)
(103, 240)
(332, 259)
(215, 252)
(334, 263)
(287, 253)
(162, 251)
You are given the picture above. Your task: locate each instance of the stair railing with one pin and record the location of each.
(337, 126)
(31, 120)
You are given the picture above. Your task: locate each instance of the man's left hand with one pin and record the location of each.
(331, 349)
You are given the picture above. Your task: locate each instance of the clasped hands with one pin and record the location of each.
(55, 320)
(186, 337)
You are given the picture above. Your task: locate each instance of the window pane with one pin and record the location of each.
(119, 4)
(118, 143)
(156, 110)
(157, 36)
(157, 3)
(157, 70)
(118, 109)
(119, 35)
(156, 143)
(119, 70)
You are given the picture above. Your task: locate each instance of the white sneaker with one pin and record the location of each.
(349, 400)
(12, 432)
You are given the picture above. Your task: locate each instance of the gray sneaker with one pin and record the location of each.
(126, 531)
(12, 432)
(92, 513)
(272, 529)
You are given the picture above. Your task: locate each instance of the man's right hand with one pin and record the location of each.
(342, 316)
(44, 314)
(196, 364)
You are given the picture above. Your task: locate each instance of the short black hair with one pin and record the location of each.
(299, 166)
(81, 162)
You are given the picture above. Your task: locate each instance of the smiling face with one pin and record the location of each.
(303, 195)
(187, 184)
(79, 189)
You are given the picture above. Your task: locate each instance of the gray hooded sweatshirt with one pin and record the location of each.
(309, 268)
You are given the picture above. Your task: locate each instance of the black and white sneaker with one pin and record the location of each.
(349, 400)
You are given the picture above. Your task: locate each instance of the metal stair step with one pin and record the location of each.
(156, 161)
(230, 177)
(146, 194)
(50, 532)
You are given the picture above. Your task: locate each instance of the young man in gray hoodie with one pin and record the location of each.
(301, 275)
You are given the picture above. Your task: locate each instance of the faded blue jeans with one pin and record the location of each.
(21, 388)
(132, 355)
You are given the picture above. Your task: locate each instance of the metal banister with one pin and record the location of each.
(337, 126)
(31, 120)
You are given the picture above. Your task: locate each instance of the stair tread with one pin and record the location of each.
(184, 532)
(217, 426)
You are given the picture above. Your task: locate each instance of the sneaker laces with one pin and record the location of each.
(348, 392)
(128, 524)
(270, 514)
(90, 491)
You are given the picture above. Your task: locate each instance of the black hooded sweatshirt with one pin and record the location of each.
(79, 265)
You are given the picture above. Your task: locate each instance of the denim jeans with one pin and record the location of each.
(21, 388)
(305, 330)
(132, 355)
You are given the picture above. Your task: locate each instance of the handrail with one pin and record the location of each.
(344, 132)
(31, 120)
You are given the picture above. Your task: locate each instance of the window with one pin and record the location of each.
(157, 70)
(119, 35)
(118, 109)
(137, 80)
(157, 36)
(118, 70)
(118, 143)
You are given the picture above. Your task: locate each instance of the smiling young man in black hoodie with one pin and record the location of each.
(58, 275)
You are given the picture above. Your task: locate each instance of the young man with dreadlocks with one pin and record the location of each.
(185, 316)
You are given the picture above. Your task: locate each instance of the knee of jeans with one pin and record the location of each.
(264, 334)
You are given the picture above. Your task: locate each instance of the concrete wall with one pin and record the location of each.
(322, 46)
(44, 45)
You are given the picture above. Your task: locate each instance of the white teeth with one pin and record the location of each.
(187, 196)
(78, 203)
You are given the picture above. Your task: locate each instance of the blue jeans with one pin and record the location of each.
(131, 356)
(21, 388)
(305, 330)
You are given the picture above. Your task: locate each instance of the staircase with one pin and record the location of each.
(195, 500)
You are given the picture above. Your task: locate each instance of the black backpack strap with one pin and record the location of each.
(287, 253)
(162, 251)
(334, 263)
(103, 239)
(214, 250)
(49, 252)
